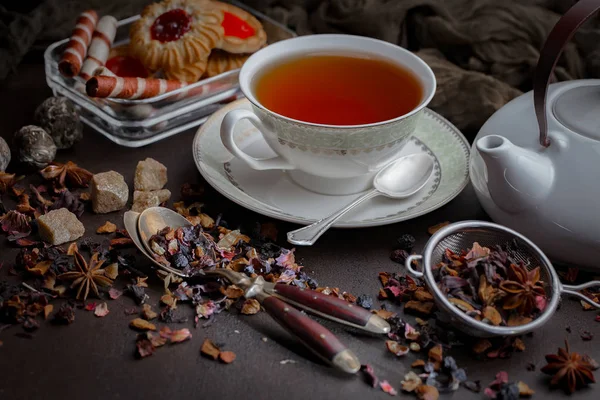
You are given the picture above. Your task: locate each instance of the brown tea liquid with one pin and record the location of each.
(338, 89)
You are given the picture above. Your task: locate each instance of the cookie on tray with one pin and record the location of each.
(175, 33)
(220, 61)
(241, 32)
(190, 73)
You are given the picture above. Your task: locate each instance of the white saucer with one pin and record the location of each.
(274, 194)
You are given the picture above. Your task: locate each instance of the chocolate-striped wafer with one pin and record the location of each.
(100, 48)
(129, 88)
(76, 50)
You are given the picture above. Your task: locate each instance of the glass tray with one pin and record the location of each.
(136, 123)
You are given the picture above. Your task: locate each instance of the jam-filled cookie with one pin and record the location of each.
(190, 73)
(221, 61)
(240, 31)
(174, 33)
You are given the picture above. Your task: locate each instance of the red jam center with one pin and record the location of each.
(235, 26)
(171, 25)
(126, 66)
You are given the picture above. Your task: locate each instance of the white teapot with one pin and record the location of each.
(535, 164)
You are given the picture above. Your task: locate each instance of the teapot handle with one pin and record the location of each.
(560, 35)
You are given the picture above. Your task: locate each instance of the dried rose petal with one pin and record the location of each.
(180, 335)
(396, 348)
(144, 347)
(489, 393)
(90, 307)
(385, 314)
(433, 229)
(72, 249)
(114, 293)
(232, 292)
(518, 320)
(419, 306)
(541, 302)
(386, 387)
(169, 300)
(370, 375)
(411, 333)
(48, 310)
(40, 268)
(418, 363)
(112, 271)
(422, 295)
(148, 313)
(251, 306)
(587, 335)
(481, 346)
(524, 390)
(492, 315)
(411, 382)
(435, 353)
(156, 340)
(227, 356)
(101, 310)
(108, 227)
(426, 392)
(142, 324)
(209, 349)
(130, 311)
(519, 345)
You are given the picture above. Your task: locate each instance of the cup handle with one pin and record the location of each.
(227, 129)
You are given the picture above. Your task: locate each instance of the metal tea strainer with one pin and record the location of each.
(461, 236)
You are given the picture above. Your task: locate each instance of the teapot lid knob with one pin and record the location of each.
(560, 35)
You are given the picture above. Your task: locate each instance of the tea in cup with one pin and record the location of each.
(334, 108)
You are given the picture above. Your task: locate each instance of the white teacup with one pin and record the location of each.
(329, 159)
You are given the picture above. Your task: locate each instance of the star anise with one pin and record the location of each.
(522, 289)
(69, 173)
(570, 369)
(6, 181)
(87, 275)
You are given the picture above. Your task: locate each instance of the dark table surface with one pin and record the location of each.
(93, 358)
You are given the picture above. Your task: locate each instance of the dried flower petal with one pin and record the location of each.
(112, 271)
(426, 392)
(180, 335)
(411, 333)
(435, 353)
(147, 312)
(48, 310)
(232, 292)
(72, 249)
(251, 306)
(518, 320)
(492, 315)
(418, 364)
(370, 375)
(90, 306)
(108, 227)
(524, 390)
(40, 268)
(587, 335)
(411, 382)
(433, 229)
(144, 346)
(419, 307)
(385, 314)
(101, 310)
(209, 349)
(114, 293)
(519, 345)
(396, 348)
(481, 346)
(227, 356)
(142, 324)
(386, 387)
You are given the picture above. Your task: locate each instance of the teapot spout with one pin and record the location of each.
(517, 178)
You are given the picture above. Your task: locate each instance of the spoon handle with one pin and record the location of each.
(308, 235)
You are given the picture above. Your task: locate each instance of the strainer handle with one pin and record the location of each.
(574, 291)
(408, 263)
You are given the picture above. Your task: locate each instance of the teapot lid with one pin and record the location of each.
(577, 109)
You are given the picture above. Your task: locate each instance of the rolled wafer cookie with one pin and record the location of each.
(103, 71)
(76, 50)
(129, 88)
(100, 48)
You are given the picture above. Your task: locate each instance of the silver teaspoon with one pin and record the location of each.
(398, 180)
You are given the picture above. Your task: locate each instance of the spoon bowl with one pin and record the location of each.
(398, 180)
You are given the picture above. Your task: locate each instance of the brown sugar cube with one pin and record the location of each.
(150, 175)
(143, 200)
(60, 226)
(109, 192)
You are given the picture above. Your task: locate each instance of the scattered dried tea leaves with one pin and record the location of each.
(209, 349)
(572, 371)
(40, 268)
(389, 389)
(369, 375)
(519, 345)
(396, 348)
(492, 316)
(108, 227)
(433, 229)
(112, 271)
(142, 325)
(65, 314)
(418, 364)
(232, 292)
(518, 320)
(435, 353)
(385, 314)
(251, 306)
(481, 346)
(227, 356)
(426, 392)
(411, 382)
(419, 307)
(524, 390)
(101, 310)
